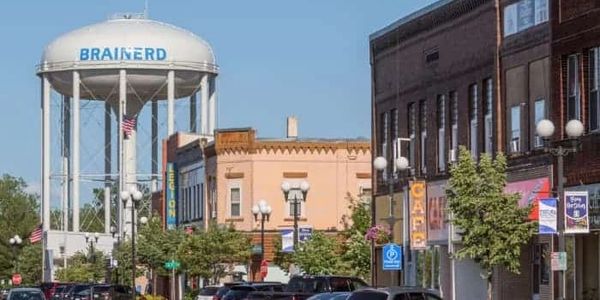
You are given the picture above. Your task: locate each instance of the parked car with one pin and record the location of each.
(303, 287)
(207, 293)
(110, 292)
(395, 293)
(78, 292)
(61, 291)
(224, 289)
(330, 296)
(49, 289)
(26, 294)
(240, 292)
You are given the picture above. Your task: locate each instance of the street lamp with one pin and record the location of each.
(286, 187)
(380, 163)
(91, 241)
(574, 130)
(134, 196)
(264, 210)
(15, 242)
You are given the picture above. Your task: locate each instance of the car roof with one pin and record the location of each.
(398, 289)
(25, 289)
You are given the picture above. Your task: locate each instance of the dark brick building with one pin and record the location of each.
(434, 82)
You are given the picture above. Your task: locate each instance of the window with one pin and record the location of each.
(423, 136)
(395, 135)
(384, 140)
(524, 14)
(515, 129)
(412, 131)
(488, 123)
(295, 194)
(573, 105)
(594, 99)
(235, 201)
(454, 125)
(441, 138)
(539, 114)
(473, 114)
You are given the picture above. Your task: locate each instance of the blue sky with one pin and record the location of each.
(277, 58)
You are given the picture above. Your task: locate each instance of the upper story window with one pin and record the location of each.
(235, 201)
(395, 135)
(524, 14)
(384, 138)
(441, 138)
(454, 125)
(515, 129)
(423, 136)
(488, 111)
(473, 119)
(594, 99)
(412, 133)
(573, 94)
(539, 114)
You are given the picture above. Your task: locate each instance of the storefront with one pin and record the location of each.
(583, 251)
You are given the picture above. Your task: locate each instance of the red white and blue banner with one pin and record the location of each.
(547, 216)
(576, 212)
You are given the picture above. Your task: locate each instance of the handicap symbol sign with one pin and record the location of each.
(392, 257)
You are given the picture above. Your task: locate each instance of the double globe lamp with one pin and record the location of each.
(135, 196)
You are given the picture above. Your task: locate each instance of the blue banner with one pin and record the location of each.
(547, 217)
(171, 196)
(576, 212)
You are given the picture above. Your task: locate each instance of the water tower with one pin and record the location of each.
(127, 62)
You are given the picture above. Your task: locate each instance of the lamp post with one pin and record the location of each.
(380, 163)
(115, 234)
(286, 187)
(264, 210)
(134, 196)
(574, 130)
(91, 241)
(15, 242)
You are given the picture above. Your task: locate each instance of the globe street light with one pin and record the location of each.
(134, 196)
(574, 129)
(264, 210)
(91, 243)
(15, 242)
(304, 187)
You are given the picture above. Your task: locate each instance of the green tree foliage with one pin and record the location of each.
(156, 245)
(355, 249)
(319, 255)
(84, 267)
(211, 253)
(30, 264)
(493, 225)
(19, 215)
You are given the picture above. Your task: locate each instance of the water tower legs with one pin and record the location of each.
(107, 165)
(212, 104)
(193, 114)
(204, 88)
(66, 156)
(45, 152)
(75, 153)
(170, 103)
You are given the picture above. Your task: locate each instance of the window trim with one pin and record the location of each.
(488, 117)
(594, 87)
(576, 84)
(538, 142)
(231, 186)
(474, 120)
(288, 204)
(423, 136)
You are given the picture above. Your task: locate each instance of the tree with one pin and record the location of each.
(319, 255)
(84, 268)
(19, 215)
(493, 225)
(30, 264)
(356, 250)
(210, 254)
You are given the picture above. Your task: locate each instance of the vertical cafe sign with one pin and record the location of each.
(418, 215)
(576, 212)
(171, 197)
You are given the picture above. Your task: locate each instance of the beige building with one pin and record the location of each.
(241, 169)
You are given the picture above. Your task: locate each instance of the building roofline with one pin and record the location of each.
(406, 19)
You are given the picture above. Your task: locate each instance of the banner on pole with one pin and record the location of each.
(547, 216)
(576, 212)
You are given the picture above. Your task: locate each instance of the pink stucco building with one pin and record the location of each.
(240, 169)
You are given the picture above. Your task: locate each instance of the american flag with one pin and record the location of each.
(36, 235)
(128, 125)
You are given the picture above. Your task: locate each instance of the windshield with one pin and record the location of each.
(26, 295)
(209, 291)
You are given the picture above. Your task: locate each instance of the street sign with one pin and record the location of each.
(172, 265)
(264, 268)
(16, 279)
(392, 257)
(558, 261)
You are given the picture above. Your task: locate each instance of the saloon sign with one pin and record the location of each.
(418, 215)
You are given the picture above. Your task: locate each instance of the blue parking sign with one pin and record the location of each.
(392, 257)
